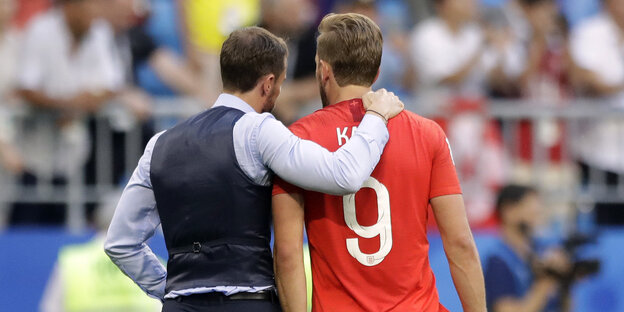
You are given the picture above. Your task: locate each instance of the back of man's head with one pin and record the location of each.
(352, 45)
(247, 55)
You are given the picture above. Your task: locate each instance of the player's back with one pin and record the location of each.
(369, 250)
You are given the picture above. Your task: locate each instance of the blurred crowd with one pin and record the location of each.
(65, 62)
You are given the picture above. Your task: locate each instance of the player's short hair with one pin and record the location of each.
(511, 195)
(247, 55)
(352, 44)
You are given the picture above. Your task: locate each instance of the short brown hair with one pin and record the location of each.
(352, 44)
(247, 55)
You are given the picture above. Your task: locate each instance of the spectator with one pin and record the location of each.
(447, 52)
(598, 54)
(67, 72)
(136, 47)
(9, 156)
(520, 41)
(515, 278)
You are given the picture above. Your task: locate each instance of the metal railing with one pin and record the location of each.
(508, 114)
(75, 193)
(576, 119)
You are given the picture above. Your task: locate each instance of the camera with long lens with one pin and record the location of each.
(581, 267)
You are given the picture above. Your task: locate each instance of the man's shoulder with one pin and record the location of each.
(416, 123)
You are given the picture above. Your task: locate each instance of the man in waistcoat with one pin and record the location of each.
(208, 182)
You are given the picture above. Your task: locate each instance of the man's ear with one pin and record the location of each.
(268, 82)
(326, 71)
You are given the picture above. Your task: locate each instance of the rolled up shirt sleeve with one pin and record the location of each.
(135, 220)
(311, 166)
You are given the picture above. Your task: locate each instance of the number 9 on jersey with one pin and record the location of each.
(383, 227)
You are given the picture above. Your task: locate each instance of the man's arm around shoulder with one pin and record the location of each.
(312, 167)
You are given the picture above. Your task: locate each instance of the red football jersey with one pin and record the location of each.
(369, 250)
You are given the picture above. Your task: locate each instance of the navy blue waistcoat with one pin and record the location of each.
(215, 220)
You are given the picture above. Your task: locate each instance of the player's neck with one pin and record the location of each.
(347, 93)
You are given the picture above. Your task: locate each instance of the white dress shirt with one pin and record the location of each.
(262, 145)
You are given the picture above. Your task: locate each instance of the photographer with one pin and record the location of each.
(516, 278)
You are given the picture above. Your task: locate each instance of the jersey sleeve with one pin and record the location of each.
(279, 185)
(444, 179)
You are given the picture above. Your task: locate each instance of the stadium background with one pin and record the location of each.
(528, 136)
